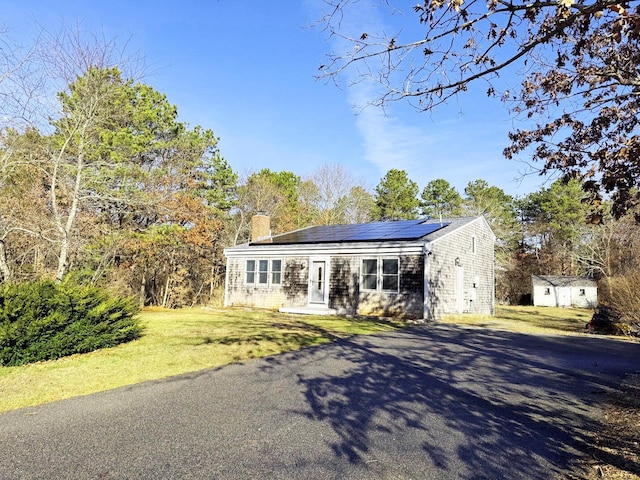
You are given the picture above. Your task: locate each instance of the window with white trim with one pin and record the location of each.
(250, 271)
(390, 275)
(370, 274)
(380, 275)
(263, 272)
(276, 272)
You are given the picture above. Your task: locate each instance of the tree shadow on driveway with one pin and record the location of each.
(461, 403)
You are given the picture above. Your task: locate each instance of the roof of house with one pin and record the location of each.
(561, 281)
(403, 230)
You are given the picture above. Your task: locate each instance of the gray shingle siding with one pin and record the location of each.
(295, 281)
(344, 285)
(442, 288)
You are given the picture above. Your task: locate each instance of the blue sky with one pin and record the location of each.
(246, 70)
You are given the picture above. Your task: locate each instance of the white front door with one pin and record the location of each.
(317, 288)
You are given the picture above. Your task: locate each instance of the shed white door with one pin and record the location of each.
(317, 288)
(564, 296)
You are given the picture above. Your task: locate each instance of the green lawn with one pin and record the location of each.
(180, 341)
(175, 342)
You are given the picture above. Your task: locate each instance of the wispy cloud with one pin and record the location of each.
(443, 144)
(388, 141)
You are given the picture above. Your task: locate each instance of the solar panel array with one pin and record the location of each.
(365, 232)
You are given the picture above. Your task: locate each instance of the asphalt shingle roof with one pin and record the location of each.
(562, 281)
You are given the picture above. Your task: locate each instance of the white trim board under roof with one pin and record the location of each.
(336, 249)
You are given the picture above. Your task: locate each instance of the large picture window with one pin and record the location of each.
(380, 274)
(263, 272)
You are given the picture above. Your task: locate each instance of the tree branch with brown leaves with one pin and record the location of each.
(580, 62)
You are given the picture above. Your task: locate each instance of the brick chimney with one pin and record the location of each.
(260, 227)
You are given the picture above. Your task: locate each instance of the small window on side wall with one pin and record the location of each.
(547, 291)
(473, 244)
(582, 292)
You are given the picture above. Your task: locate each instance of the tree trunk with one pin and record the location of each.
(4, 266)
(65, 227)
(63, 258)
(165, 296)
(143, 291)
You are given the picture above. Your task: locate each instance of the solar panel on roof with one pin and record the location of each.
(416, 231)
(366, 232)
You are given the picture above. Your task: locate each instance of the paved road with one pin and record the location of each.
(426, 403)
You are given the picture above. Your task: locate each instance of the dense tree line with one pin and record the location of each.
(102, 183)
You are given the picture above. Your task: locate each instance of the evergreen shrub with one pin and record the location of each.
(44, 321)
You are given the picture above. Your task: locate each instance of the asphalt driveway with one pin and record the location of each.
(440, 402)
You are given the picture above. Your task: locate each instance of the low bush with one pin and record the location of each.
(44, 321)
(620, 310)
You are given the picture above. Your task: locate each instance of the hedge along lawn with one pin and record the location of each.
(175, 342)
(529, 319)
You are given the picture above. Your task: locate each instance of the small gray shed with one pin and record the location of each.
(564, 291)
(422, 268)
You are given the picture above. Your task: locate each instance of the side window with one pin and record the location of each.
(547, 291)
(582, 292)
(369, 274)
(473, 244)
(263, 271)
(251, 271)
(390, 275)
(276, 272)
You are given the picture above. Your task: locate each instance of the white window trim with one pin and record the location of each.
(256, 272)
(379, 275)
(362, 260)
(271, 271)
(265, 272)
(246, 271)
